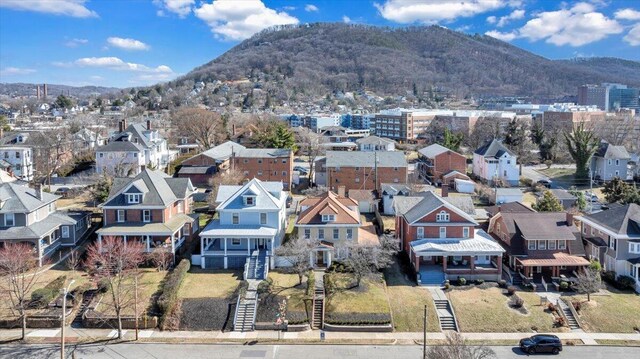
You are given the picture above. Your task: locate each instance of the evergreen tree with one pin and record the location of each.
(618, 191)
(582, 144)
(548, 203)
(63, 102)
(452, 140)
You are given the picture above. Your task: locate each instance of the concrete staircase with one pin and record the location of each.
(86, 300)
(258, 267)
(244, 319)
(445, 314)
(317, 317)
(571, 319)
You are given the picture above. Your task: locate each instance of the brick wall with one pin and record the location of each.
(267, 169)
(364, 177)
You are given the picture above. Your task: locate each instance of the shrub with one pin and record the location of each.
(511, 290)
(41, 297)
(479, 281)
(625, 282)
(564, 285)
(329, 284)
(595, 265)
(462, 281)
(559, 322)
(517, 302)
(357, 318)
(311, 283)
(502, 283)
(609, 277)
(577, 305)
(168, 300)
(551, 307)
(526, 182)
(265, 286)
(447, 285)
(103, 285)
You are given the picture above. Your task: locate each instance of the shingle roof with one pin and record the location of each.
(374, 140)
(361, 195)
(462, 202)
(511, 207)
(607, 150)
(159, 189)
(267, 196)
(433, 150)
(330, 200)
(223, 151)
(16, 198)
(120, 146)
(263, 152)
(429, 203)
(366, 159)
(196, 170)
(540, 225)
(493, 148)
(620, 219)
(38, 229)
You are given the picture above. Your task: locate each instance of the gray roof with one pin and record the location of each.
(480, 243)
(374, 140)
(366, 159)
(16, 198)
(264, 152)
(433, 150)
(493, 148)
(509, 191)
(540, 225)
(607, 150)
(137, 130)
(620, 219)
(223, 151)
(159, 189)
(402, 204)
(562, 194)
(393, 189)
(120, 146)
(462, 202)
(38, 229)
(197, 170)
(429, 203)
(269, 195)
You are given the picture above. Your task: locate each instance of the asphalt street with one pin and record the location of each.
(148, 350)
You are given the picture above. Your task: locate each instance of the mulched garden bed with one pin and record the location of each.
(206, 314)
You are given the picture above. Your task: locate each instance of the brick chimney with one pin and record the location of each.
(120, 126)
(124, 124)
(569, 219)
(341, 191)
(148, 124)
(445, 190)
(39, 192)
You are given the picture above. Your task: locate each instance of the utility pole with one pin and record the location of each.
(135, 301)
(424, 334)
(590, 191)
(65, 291)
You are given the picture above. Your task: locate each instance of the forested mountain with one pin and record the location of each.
(315, 59)
(53, 90)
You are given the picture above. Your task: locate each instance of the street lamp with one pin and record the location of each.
(65, 291)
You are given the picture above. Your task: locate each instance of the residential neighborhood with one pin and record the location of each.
(443, 179)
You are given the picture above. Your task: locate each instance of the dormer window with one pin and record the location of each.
(250, 200)
(328, 217)
(442, 217)
(133, 198)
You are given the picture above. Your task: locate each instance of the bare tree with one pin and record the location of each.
(456, 347)
(205, 127)
(228, 177)
(296, 251)
(364, 261)
(115, 264)
(588, 282)
(18, 277)
(73, 261)
(310, 145)
(162, 258)
(50, 151)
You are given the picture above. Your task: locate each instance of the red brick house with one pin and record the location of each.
(152, 208)
(364, 170)
(442, 241)
(437, 161)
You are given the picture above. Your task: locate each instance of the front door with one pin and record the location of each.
(261, 244)
(320, 258)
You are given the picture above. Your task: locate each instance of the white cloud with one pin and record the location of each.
(627, 14)
(492, 19)
(311, 8)
(76, 42)
(96, 78)
(346, 19)
(182, 8)
(115, 63)
(576, 26)
(633, 36)
(127, 44)
(431, 11)
(74, 8)
(504, 36)
(10, 71)
(288, 8)
(238, 20)
(515, 15)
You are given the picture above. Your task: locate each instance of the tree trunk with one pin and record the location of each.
(119, 324)
(24, 325)
(300, 275)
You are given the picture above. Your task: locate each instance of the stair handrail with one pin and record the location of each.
(544, 284)
(246, 269)
(573, 312)
(453, 312)
(255, 311)
(322, 319)
(562, 313)
(235, 316)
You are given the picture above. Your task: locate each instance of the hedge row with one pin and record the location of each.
(168, 300)
(41, 297)
(357, 318)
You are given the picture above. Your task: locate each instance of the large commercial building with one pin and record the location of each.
(609, 96)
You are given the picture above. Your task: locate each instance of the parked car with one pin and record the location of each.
(545, 182)
(541, 343)
(62, 191)
(591, 197)
(303, 171)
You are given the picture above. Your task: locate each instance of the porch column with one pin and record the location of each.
(100, 242)
(249, 246)
(148, 244)
(444, 263)
(173, 243)
(311, 255)
(225, 250)
(124, 238)
(273, 240)
(272, 257)
(499, 260)
(329, 258)
(202, 240)
(417, 263)
(39, 253)
(472, 263)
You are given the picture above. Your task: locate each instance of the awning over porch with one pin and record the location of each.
(217, 230)
(480, 244)
(634, 261)
(152, 229)
(554, 260)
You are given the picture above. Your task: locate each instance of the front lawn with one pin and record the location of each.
(407, 302)
(284, 287)
(347, 304)
(149, 283)
(487, 310)
(205, 297)
(618, 312)
(555, 172)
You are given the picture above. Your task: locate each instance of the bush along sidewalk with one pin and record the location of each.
(168, 300)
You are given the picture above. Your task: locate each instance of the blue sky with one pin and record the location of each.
(126, 43)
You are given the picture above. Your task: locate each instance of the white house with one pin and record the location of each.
(464, 186)
(18, 161)
(375, 143)
(251, 224)
(494, 160)
(507, 195)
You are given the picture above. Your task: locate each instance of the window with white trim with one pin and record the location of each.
(328, 217)
(336, 233)
(180, 206)
(120, 215)
(146, 216)
(552, 245)
(235, 218)
(263, 218)
(443, 216)
(65, 231)
(235, 241)
(531, 245)
(542, 245)
(443, 232)
(9, 219)
(420, 232)
(465, 232)
(320, 233)
(562, 244)
(634, 247)
(349, 233)
(133, 198)
(307, 233)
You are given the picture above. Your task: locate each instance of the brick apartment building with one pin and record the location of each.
(565, 120)
(364, 170)
(437, 161)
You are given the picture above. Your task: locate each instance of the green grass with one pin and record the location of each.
(554, 172)
(200, 283)
(370, 297)
(204, 219)
(407, 301)
(149, 283)
(286, 285)
(615, 313)
(486, 310)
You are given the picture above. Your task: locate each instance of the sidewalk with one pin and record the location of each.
(74, 335)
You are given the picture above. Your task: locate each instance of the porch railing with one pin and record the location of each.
(245, 273)
(235, 315)
(544, 284)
